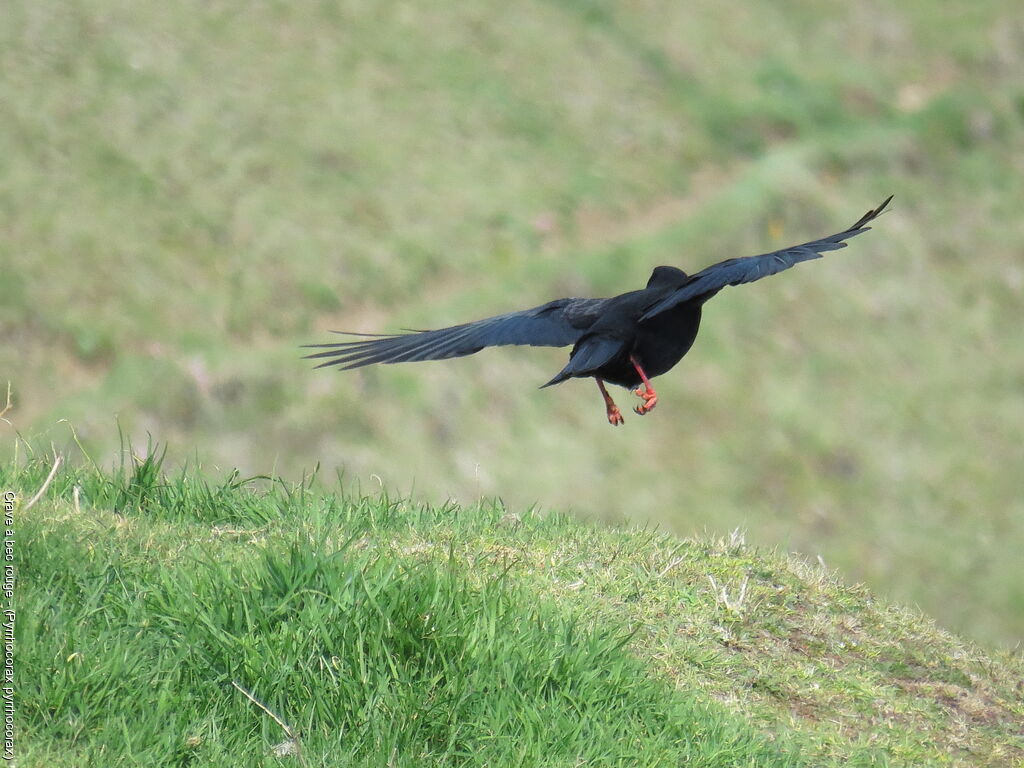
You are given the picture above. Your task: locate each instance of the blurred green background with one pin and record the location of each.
(191, 190)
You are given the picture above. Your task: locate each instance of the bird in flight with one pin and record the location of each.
(625, 340)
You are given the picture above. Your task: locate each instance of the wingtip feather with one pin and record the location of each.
(871, 215)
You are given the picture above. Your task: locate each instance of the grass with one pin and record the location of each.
(381, 631)
(134, 645)
(189, 193)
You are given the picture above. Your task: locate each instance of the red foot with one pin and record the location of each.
(615, 415)
(650, 400)
(647, 393)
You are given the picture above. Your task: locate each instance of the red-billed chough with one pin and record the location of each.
(626, 340)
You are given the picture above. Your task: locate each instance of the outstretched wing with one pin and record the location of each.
(709, 281)
(556, 324)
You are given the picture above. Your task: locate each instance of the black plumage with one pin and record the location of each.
(626, 340)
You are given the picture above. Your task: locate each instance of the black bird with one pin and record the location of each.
(626, 340)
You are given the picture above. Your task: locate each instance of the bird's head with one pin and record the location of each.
(666, 277)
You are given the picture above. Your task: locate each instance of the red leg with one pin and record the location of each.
(647, 393)
(614, 414)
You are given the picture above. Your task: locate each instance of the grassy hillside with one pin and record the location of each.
(190, 191)
(392, 633)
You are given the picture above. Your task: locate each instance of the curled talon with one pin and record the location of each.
(648, 405)
(615, 416)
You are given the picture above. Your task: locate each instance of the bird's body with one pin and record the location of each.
(658, 343)
(626, 340)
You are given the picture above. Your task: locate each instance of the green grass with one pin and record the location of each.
(137, 631)
(191, 191)
(387, 632)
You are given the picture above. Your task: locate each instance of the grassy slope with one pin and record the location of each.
(190, 191)
(395, 633)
